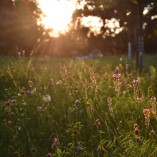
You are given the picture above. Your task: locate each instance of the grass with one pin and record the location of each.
(70, 108)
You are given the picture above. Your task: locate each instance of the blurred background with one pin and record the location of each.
(78, 27)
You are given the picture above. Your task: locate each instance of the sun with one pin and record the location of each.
(56, 15)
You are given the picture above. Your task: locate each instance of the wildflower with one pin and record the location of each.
(22, 92)
(136, 130)
(135, 82)
(23, 53)
(135, 126)
(153, 104)
(128, 86)
(109, 100)
(117, 83)
(139, 97)
(77, 102)
(117, 74)
(97, 122)
(152, 132)
(146, 113)
(153, 99)
(47, 98)
(19, 54)
(55, 142)
(29, 92)
(138, 139)
(79, 149)
(39, 108)
(59, 82)
(13, 101)
(49, 155)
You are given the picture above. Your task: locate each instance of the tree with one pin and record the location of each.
(6, 12)
(137, 17)
(139, 24)
(18, 26)
(26, 28)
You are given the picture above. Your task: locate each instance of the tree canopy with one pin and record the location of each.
(19, 28)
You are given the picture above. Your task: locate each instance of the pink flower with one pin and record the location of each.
(135, 82)
(146, 112)
(153, 99)
(116, 74)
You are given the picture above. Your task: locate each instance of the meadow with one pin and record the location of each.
(77, 108)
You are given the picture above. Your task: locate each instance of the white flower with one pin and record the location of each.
(47, 98)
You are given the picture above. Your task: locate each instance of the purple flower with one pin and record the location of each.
(135, 82)
(13, 101)
(55, 142)
(79, 149)
(77, 102)
(54, 145)
(138, 139)
(29, 92)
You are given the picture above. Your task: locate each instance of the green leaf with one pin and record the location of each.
(59, 152)
(134, 1)
(152, 72)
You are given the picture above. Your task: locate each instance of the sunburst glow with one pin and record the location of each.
(57, 14)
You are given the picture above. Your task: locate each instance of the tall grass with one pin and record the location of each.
(69, 108)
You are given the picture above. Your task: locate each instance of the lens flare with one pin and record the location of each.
(56, 15)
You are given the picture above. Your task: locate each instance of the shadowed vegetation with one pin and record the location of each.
(69, 107)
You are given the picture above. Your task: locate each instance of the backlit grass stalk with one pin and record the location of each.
(146, 113)
(117, 81)
(153, 105)
(109, 100)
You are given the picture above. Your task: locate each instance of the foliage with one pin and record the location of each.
(18, 26)
(69, 107)
(131, 18)
(19, 30)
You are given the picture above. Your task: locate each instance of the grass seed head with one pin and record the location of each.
(146, 113)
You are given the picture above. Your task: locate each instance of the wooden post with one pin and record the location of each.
(129, 50)
(140, 36)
